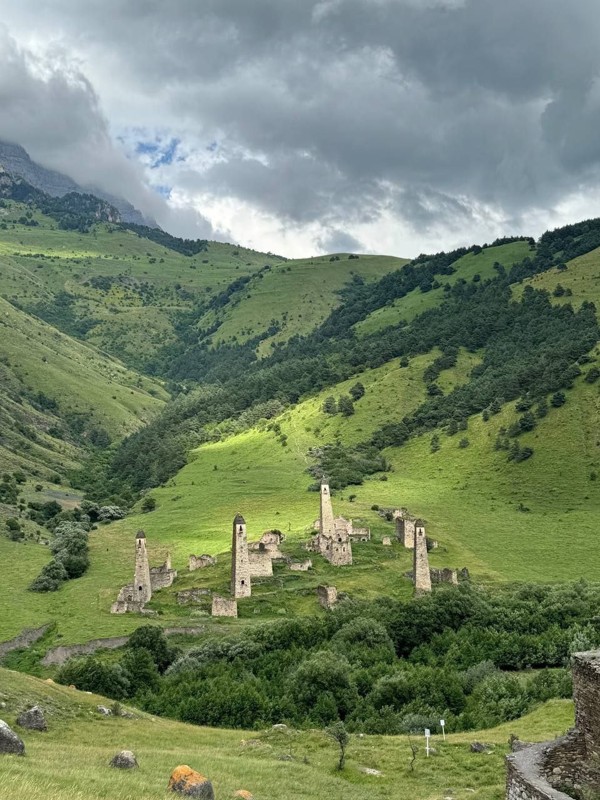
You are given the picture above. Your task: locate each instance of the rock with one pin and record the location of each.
(479, 747)
(124, 760)
(9, 741)
(33, 719)
(285, 757)
(516, 744)
(106, 712)
(370, 771)
(244, 794)
(280, 727)
(186, 781)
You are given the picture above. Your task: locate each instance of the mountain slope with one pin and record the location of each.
(16, 160)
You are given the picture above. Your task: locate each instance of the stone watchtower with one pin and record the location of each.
(142, 587)
(240, 561)
(421, 574)
(326, 519)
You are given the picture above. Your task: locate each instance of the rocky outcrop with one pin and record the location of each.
(33, 719)
(25, 639)
(124, 760)
(186, 781)
(16, 161)
(9, 741)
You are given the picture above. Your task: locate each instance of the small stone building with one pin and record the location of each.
(146, 580)
(223, 607)
(200, 562)
(327, 596)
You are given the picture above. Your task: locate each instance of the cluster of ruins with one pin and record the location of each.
(332, 540)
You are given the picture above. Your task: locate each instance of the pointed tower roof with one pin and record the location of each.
(140, 535)
(239, 520)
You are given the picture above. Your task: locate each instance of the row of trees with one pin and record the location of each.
(380, 667)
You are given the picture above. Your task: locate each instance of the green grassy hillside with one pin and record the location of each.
(294, 297)
(581, 278)
(415, 302)
(71, 759)
(502, 520)
(122, 289)
(55, 391)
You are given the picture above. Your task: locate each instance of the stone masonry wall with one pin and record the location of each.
(223, 607)
(541, 771)
(200, 562)
(261, 565)
(25, 639)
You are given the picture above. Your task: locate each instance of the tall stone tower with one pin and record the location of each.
(421, 574)
(142, 586)
(240, 561)
(327, 522)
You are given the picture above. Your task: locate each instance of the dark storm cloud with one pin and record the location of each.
(342, 110)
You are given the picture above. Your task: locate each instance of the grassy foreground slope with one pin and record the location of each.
(71, 759)
(415, 302)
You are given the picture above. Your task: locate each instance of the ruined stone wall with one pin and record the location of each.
(541, 771)
(162, 577)
(445, 575)
(192, 596)
(261, 565)
(58, 655)
(200, 562)
(586, 693)
(223, 607)
(525, 779)
(301, 566)
(327, 596)
(24, 639)
(361, 534)
(409, 533)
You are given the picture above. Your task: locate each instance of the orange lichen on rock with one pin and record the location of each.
(244, 794)
(188, 782)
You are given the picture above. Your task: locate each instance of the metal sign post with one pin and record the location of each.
(427, 735)
(443, 726)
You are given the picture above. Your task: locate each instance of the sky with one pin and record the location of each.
(308, 126)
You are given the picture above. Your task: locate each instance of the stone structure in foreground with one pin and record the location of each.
(569, 766)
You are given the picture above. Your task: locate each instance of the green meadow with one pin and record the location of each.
(71, 760)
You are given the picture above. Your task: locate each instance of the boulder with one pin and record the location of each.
(106, 712)
(33, 719)
(479, 747)
(280, 726)
(244, 794)
(9, 741)
(124, 760)
(186, 781)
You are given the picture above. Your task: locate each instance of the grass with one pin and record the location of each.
(297, 296)
(415, 302)
(70, 761)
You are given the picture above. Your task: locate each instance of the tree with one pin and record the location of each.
(330, 406)
(345, 405)
(149, 504)
(339, 734)
(558, 399)
(152, 639)
(357, 391)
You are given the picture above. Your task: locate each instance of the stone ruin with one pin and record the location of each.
(421, 576)
(332, 540)
(264, 552)
(223, 607)
(355, 534)
(240, 560)
(200, 562)
(191, 596)
(386, 541)
(146, 580)
(301, 566)
(327, 596)
(405, 527)
(570, 765)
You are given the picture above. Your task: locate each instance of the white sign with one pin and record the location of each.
(427, 735)
(443, 723)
